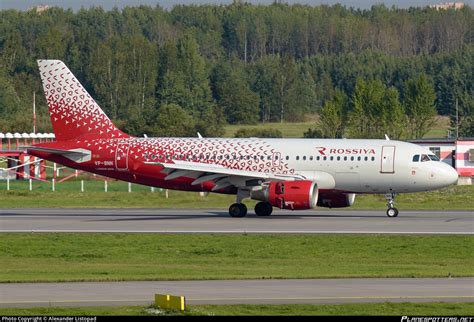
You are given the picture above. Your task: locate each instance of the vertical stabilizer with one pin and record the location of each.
(74, 114)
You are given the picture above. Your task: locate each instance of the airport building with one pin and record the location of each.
(20, 165)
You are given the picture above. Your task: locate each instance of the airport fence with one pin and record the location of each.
(76, 185)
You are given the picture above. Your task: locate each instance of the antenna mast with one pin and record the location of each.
(34, 113)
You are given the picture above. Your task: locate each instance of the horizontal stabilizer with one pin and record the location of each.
(76, 155)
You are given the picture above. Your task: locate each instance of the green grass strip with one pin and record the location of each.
(400, 309)
(51, 257)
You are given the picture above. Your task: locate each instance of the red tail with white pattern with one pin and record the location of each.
(74, 114)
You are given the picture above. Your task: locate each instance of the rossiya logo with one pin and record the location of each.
(322, 151)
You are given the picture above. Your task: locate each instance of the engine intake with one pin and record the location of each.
(294, 195)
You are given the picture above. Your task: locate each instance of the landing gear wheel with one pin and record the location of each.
(392, 212)
(237, 210)
(263, 209)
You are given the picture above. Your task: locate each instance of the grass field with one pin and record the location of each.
(68, 195)
(296, 130)
(288, 130)
(114, 257)
(400, 309)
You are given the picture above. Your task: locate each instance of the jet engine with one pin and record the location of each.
(335, 199)
(294, 195)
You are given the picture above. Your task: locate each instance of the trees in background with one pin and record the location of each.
(232, 92)
(244, 64)
(332, 118)
(376, 111)
(462, 120)
(419, 100)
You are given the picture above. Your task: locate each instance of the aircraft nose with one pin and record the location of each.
(448, 174)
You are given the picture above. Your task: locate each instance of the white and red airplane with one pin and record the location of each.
(285, 173)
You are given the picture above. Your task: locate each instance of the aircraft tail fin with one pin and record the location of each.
(74, 113)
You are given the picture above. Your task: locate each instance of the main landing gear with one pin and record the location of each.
(239, 210)
(263, 209)
(391, 211)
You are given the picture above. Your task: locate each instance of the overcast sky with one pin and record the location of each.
(109, 4)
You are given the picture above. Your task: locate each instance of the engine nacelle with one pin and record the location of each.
(294, 195)
(335, 199)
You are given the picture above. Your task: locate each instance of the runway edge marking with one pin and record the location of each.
(235, 231)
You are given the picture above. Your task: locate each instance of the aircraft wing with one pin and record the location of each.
(222, 176)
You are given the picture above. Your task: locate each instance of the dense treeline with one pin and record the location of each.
(194, 68)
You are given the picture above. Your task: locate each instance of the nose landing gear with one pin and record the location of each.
(391, 211)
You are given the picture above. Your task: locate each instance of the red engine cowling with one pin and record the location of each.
(294, 195)
(335, 199)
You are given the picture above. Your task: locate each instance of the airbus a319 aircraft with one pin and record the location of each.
(284, 173)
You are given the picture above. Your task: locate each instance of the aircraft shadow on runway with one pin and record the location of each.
(224, 214)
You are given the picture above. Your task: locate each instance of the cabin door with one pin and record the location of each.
(388, 159)
(121, 156)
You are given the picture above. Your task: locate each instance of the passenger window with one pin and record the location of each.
(416, 158)
(366, 158)
(324, 158)
(338, 158)
(297, 157)
(304, 157)
(373, 159)
(331, 158)
(318, 157)
(352, 158)
(345, 158)
(358, 158)
(287, 158)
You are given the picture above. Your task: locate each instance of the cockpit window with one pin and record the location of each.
(416, 158)
(433, 157)
(424, 158)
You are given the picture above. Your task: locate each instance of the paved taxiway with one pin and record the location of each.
(218, 221)
(240, 291)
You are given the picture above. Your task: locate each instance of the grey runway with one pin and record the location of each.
(218, 221)
(315, 291)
